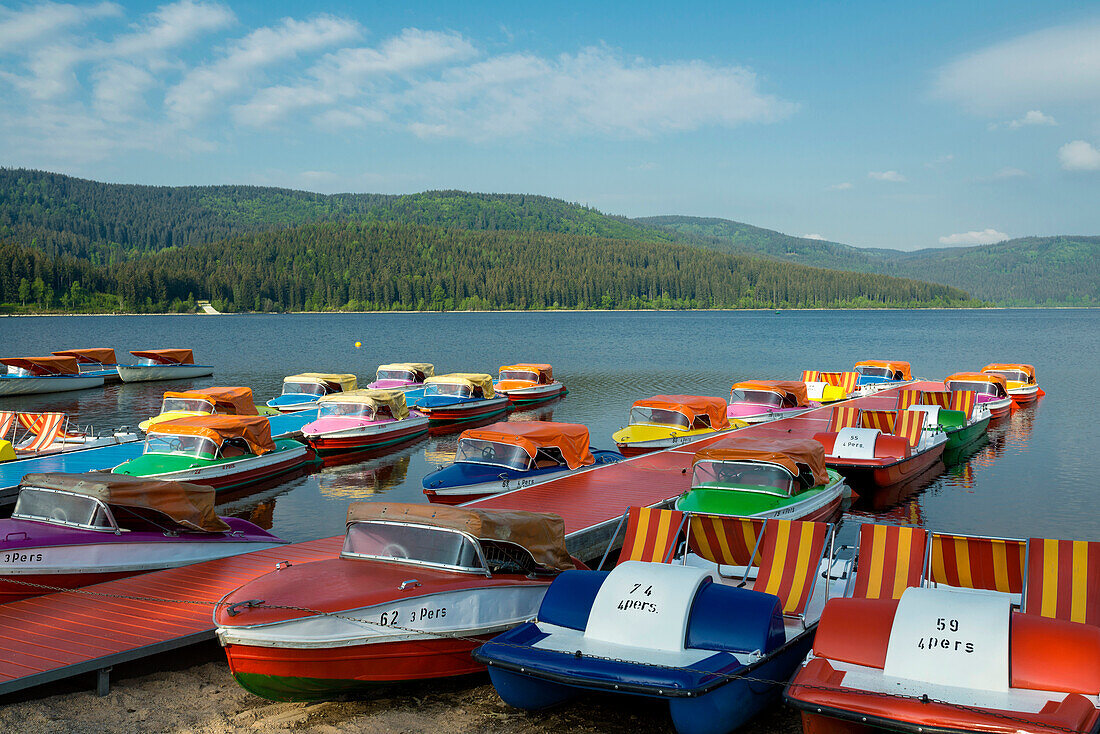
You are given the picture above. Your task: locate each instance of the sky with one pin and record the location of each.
(874, 124)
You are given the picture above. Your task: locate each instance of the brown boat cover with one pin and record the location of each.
(790, 453)
(796, 390)
(570, 438)
(1025, 368)
(189, 505)
(99, 355)
(891, 364)
(41, 366)
(544, 372)
(540, 533)
(254, 429)
(476, 381)
(231, 400)
(167, 356)
(391, 400)
(978, 377)
(691, 406)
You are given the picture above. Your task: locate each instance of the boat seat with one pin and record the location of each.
(759, 620)
(727, 541)
(890, 559)
(843, 416)
(963, 401)
(234, 447)
(1054, 655)
(941, 398)
(651, 534)
(951, 419)
(969, 562)
(569, 598)
(790, 555)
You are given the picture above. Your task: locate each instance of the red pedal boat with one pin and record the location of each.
(880, 447)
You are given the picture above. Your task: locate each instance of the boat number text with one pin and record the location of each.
(636, 600)
(945, 643)
(417, 615)
(22, 557)
(517, 483)
(852, 444)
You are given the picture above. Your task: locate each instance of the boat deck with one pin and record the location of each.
(69, 633)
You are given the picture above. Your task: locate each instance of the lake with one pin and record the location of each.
(1033, 477)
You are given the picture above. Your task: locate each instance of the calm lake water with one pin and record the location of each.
(1036, 475)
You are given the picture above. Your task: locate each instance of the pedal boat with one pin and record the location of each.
(458, 397)
(363, 419)
(664, 421)
(414, 590)
(504, 456)
(1019, 381)
(716, 648)
(829, 387)
(758, 401)
(957, 414)
(72, 530)
(763, 477)
(881, 374)
(163, 364)
(35, 375)
(301, 392)
(220, 451)
(881, 447)
(528, 384)
(991, 390)
(98, 362)
(948, 659)
(204, 401)
(403, 376)
(46, 434)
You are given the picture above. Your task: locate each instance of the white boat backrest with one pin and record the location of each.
(855, 443)
(951, 638)
(931, 414)
(645, 605)
(815, 390)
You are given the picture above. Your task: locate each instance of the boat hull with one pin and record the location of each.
(884, 475)
(47, 384)
(462, 412)
(967, 434)
(637, 448)
(155, 372)
(534, 394)
(233, 474)
(1024, 395)
(759, 414)
(367, 437)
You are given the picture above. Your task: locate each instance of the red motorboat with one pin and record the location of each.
(880, 447)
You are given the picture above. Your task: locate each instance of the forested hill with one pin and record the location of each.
(386, 265)
(1027, 271)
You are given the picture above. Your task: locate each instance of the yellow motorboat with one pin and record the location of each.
(664, 421)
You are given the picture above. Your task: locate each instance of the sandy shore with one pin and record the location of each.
(192, 692)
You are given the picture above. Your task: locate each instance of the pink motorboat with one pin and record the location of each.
(757, 401)
(402, 376)
(363, 419)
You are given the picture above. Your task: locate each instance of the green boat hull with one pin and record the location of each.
(960, 437)
(745, 502)
(157, 465)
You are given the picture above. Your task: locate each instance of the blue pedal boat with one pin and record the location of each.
(685, 632)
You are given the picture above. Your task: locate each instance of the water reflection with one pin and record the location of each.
(365, 480)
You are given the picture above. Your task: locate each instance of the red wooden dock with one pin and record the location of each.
(64, 634)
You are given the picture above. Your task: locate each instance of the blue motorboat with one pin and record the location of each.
(302, 392)
(458, 397)
(718, 649)
(882, 373)
(504, 456)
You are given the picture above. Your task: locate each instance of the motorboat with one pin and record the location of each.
(763, 477)
(72, 530)
(458, 397)
(881, 374)
(203, 401)
(829, 387)
(415, 588)
(1019, 381)
(991, 390)
(220, 451)
(163, 364)
(99, 361)
(359, 420)
(715, 645)
(758, 401)
(881, 447)
(301, 392)
(402, 376)
(956, 413)
(664, 421)
(997, 635)
(33, 375)
(528, 384)
(506, 456)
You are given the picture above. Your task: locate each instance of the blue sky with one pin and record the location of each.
(874, 124)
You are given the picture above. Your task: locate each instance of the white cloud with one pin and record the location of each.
(42, 20)
(943, 160)
(1033, 117)
(983, 237)
(842, 186)
(170, 26)
(1079, 156)
(890, 176)
(812, 237)
(1053, 65)
(1009, 172)
(119, 90)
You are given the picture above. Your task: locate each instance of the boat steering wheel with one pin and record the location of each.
(395, 550)
(489, 453)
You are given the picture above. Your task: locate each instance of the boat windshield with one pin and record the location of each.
(742, 475)
(197, 446)
(418, 544)
(757, 397)
(346, 410)
(876, 372)
(147, 362)
(1011, 375)
(494, 453)
(303, 388)
(62, 508)
(521, 375)
(404, 375)
(18, 372)
(187, 405)
(658, 417)
(981, 388)
(445, 388)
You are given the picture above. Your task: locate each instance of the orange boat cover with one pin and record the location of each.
(977, 377)
(691, 406)
(791, 453)
(891, 364)
(190, 505)
(167, 356)
(254, 429)
(540, 533)
(1025, 368)
(40, 366)
(544, 371)
(232, 400)
(796, 390)
(570, 438)
(99, 355)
